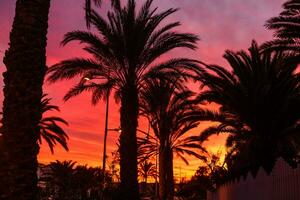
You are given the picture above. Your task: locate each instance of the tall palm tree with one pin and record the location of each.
(259, 98)
(124, 53)
(172, 113)
(25, 61)
(287, 28)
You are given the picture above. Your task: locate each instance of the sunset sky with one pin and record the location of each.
(221, 24)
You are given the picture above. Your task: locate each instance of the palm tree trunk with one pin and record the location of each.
(128, 144)
(25, 61)
(166, 176)
(3, 174)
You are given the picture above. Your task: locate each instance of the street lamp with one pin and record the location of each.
(119, 130)
(86, 78)
(105, 129)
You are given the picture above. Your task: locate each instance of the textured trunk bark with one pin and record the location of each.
(3, 174)
(25, 61)
(166, 177)
(128, 144)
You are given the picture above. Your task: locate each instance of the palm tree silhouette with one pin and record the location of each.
(59, 179)
(259, 98)
(25, 61)
(124, 55)
(88, 181)
(146, 170)
(172, 113)
(88, 9)
(64, 180)
(287, 28)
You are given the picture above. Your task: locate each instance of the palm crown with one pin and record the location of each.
(259, 101)
(146, 170)
(172, 112)
(287, 27)
(125, 51)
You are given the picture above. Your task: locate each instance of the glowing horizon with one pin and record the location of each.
(221, 24)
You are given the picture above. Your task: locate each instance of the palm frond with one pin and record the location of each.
(50, 129)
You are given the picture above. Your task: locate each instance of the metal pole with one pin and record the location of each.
(156, 160)
(105, 139)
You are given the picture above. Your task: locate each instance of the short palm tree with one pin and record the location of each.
(64, 180)
(287, 28)
(124, 53)
(171, 112)
(88, 181)
(259, 98)
(146, 170)
(59, 178)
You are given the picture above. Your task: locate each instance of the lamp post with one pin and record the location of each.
(156, 169)
(105, 129)
(105, 137)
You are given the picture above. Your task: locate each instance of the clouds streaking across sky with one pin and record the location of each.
(221, 24)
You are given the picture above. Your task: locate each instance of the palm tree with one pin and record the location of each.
(59, 179)
(146, 170)
(287, 28)
(124, 54)
(50, 130)
(64, 180)
(88, 9)
(25, 61)
(88, 181)
(171, 112)
(259, 98)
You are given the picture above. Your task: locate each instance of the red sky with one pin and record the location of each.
(221, 24)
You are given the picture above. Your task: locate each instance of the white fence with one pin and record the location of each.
(282, 184)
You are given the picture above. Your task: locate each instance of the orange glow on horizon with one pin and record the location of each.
(225, 25)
